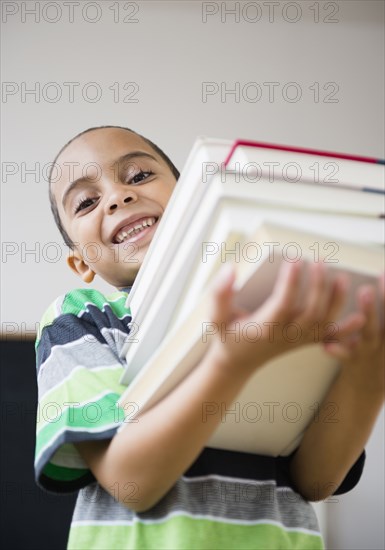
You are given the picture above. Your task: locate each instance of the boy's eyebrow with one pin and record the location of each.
(70, 188)
(130, 156)
(135, 154)
(124, 158)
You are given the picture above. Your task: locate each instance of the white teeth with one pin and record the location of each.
(134, 230)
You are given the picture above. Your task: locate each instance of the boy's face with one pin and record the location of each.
(110, 182)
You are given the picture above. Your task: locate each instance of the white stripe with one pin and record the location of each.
(103, 310)
(238, 480)
(74, 405)
(51, 443)
(228, 478)
(136, 519)
(74, 370)
(121, 292)
(58, 305)
(67, 456)
(90, 339)
(122, 335)
(40, 425)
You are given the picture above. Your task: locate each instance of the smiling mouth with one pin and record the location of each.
(130, 231)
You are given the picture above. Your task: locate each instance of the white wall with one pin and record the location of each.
(356, 520)
(168, 53)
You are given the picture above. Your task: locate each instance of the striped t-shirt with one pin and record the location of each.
(225, 500)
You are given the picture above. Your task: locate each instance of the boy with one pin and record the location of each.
(152, 483)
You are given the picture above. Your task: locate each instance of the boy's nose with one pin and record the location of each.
(120, 198)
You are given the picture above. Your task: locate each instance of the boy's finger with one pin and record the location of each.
(338, 351)
(337, 298)
(285, 292)
(224, 278)
(350, 325)
(366, 298)
(315, 297)
(240, 312)
(222, 294)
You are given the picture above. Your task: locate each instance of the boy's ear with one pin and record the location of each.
(79, 266)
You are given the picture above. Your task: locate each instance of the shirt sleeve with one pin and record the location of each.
(351, 479)
(78, 372)
(353, 476)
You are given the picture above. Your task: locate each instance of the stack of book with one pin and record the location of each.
(255, 205)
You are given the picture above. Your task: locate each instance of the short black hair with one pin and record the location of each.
(54, 209)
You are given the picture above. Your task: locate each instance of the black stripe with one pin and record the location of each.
(259, 467)
(241, 465)
(68, 328)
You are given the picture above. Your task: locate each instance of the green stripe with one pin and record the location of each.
(189, 533)
(76, 302)
(82, 385)
(62, 473)
(90, 416)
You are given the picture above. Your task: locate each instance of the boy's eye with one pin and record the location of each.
(140, 176)
(86, 202)
(83, 203)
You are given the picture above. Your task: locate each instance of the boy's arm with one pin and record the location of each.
(153, 453)
(333, 442)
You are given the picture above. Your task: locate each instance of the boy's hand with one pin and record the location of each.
(329, 449)
(248, 340)
(362, 354)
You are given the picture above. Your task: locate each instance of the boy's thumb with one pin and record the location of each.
(222, 294)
